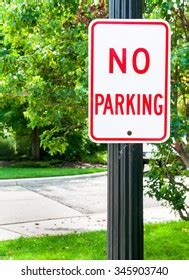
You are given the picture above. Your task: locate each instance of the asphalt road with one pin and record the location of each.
(61, 205)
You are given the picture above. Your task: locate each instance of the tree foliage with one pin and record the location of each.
(166, 176)
(44, 66)
(44, 69)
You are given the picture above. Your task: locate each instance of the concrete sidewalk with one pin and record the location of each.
(60, 205)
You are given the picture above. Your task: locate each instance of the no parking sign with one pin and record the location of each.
(129, 81)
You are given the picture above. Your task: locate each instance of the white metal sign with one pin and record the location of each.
(129, 81)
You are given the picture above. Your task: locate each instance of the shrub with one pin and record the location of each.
(81, 148)
(7, 149)
(76, 146)
(23, 146)
(97, 158)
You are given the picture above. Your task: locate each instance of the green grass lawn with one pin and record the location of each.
(162, 241)
(34, 172)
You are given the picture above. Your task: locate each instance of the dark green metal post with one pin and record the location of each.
(125, 177)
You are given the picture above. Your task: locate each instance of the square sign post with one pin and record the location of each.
(128, 105)
(129, 81)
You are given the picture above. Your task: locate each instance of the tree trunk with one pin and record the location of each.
(185, 160)
(183, 216)
(182, 150)
(35, 144)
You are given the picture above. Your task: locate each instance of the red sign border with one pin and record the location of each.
(91, 83)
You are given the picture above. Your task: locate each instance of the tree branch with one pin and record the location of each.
(184, 217)
(185, 23)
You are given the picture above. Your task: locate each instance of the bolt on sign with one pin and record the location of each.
(129, 93)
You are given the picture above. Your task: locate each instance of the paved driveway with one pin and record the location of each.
(60, 205)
